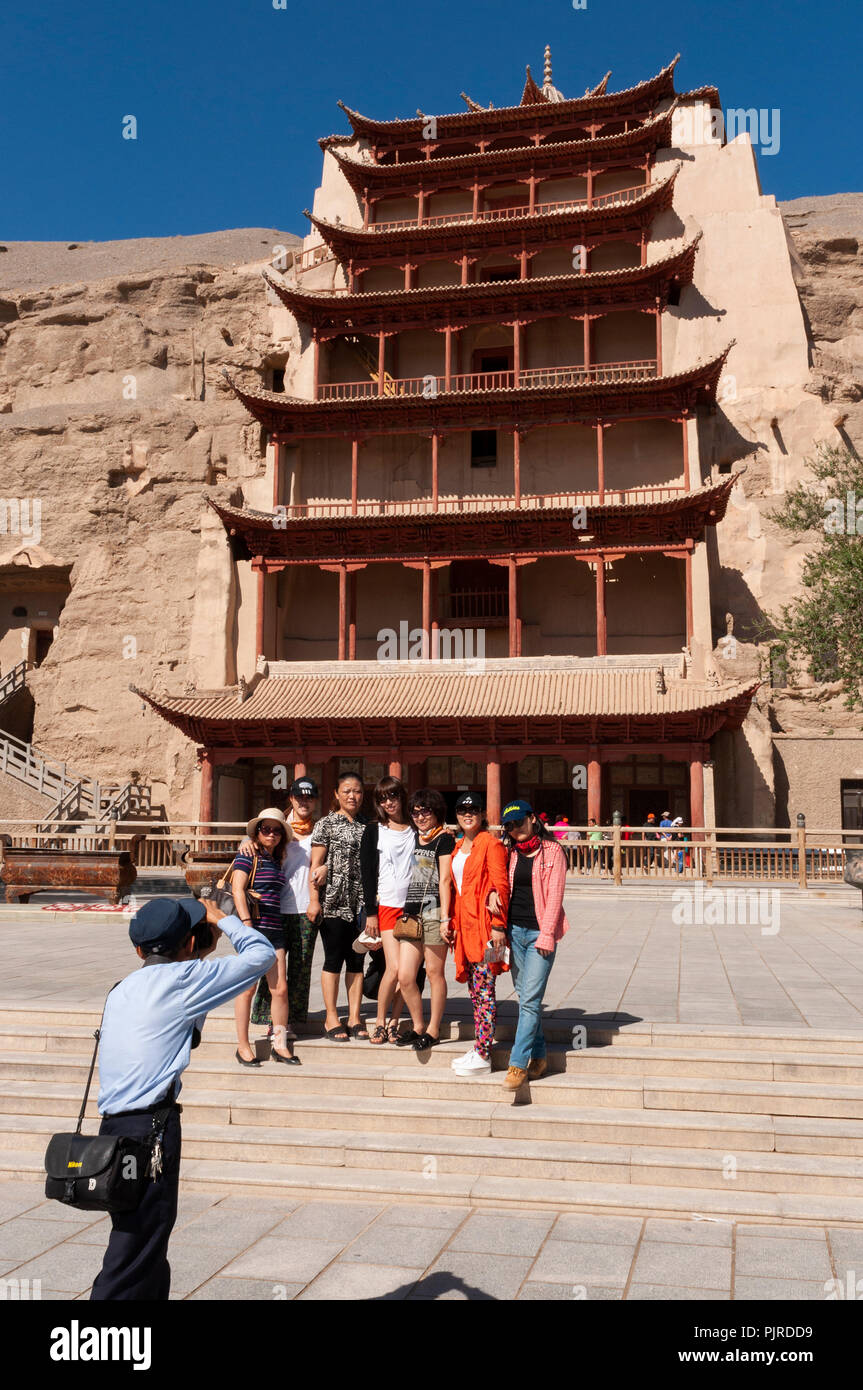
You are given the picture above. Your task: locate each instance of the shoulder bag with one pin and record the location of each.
(408, 927)
(223, 892)
(104, 1172)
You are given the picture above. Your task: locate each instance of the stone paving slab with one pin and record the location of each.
(236, 1248)
(624, 956)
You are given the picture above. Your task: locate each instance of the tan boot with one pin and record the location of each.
(537, 1068)
(514, 1079)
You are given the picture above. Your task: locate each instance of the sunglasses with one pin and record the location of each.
(421, 811)
(269, 830)
(388, 796)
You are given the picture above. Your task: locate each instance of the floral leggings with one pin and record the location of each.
(481, 985)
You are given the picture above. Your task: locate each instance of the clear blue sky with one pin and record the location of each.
(230, 98)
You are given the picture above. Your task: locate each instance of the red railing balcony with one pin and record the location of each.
(315, 255)
(475, 606)
(620, 196)
(600, 373)
(483, 502)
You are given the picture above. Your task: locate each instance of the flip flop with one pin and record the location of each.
(358, 1030)
(333, 1033)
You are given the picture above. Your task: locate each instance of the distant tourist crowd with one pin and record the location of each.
(391, 898)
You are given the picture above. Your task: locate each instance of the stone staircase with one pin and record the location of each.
(669, 1119)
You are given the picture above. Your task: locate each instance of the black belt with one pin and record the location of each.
(163, 1104)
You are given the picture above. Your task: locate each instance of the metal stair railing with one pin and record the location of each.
(13, 680)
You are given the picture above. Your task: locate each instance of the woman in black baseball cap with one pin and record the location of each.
(479, 871)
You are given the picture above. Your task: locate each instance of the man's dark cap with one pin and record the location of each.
(304, 786)
(165, 922)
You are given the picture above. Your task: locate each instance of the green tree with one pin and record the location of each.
(823, 627)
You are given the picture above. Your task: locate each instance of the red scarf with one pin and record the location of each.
(528, 846)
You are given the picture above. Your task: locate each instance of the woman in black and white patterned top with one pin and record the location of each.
(335, 855)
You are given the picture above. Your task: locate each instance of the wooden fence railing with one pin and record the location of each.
(801, 856)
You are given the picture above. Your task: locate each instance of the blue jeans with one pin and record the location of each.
(530, 972)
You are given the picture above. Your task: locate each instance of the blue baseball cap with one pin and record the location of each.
(165, 922)
(515, 810)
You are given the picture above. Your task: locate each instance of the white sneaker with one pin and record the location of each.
(460, 1061)
(472, 1065)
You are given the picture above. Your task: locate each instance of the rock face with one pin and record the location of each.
(115, 416)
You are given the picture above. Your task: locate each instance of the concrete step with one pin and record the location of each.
(602, 1029)
(523, 1158)
(428, 1080)
(620, 1060)
(307, 1181)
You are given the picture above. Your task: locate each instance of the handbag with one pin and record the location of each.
(104, 1172)
(224, 895)
(409, 927)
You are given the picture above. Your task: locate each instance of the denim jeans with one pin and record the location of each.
(530, 972)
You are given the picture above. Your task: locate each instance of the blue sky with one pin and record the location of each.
(230, 99)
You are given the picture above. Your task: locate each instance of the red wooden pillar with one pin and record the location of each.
(277, 483)
(475, 199)
(300, 763)
(531, 205)
(316, 365)
(382, 348)
(513, 607)
(355, 475)
(601, 624)
(447, 370)
(600, 460)
(205, 812)
(465, 262)
(352, 616)
(435, 626)
(590, 188)
(524, 269)
(685, 424)
(658, 313)
(516, 353)
(690, 619)
(594, 785)
(492, 787)
(427, 610)
(588, 354)
(394, 767)
(435, 460)
(516, 466)
(343, 611)
(367, 210)
(696, 785)
(421, 207)
(261, 615)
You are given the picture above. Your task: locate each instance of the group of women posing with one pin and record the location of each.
(496, 903)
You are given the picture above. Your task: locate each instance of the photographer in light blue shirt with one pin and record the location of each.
(152, 1021)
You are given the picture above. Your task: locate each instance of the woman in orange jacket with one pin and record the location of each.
(479, 870)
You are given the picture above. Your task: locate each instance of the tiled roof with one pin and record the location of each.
(442, 691)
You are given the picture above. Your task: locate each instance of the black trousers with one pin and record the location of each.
(136, 1266)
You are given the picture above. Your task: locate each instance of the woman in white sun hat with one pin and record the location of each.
(258, 904)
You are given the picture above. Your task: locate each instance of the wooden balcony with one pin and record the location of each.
(601, 200)
(482, 502)
(431, 386)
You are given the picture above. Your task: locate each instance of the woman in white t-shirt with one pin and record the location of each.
(386, 864)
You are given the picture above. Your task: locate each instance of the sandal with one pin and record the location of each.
(378, 1034)
(393, 1034)
(337, 1034)
(358, 1030)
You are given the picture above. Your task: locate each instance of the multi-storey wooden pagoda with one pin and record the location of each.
(482, 440)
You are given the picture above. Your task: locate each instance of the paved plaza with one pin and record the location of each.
(624, 955)
(273, 1248)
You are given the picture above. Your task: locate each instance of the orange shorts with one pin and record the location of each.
(388, 916)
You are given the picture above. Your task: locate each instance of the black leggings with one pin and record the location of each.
(338, 937)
